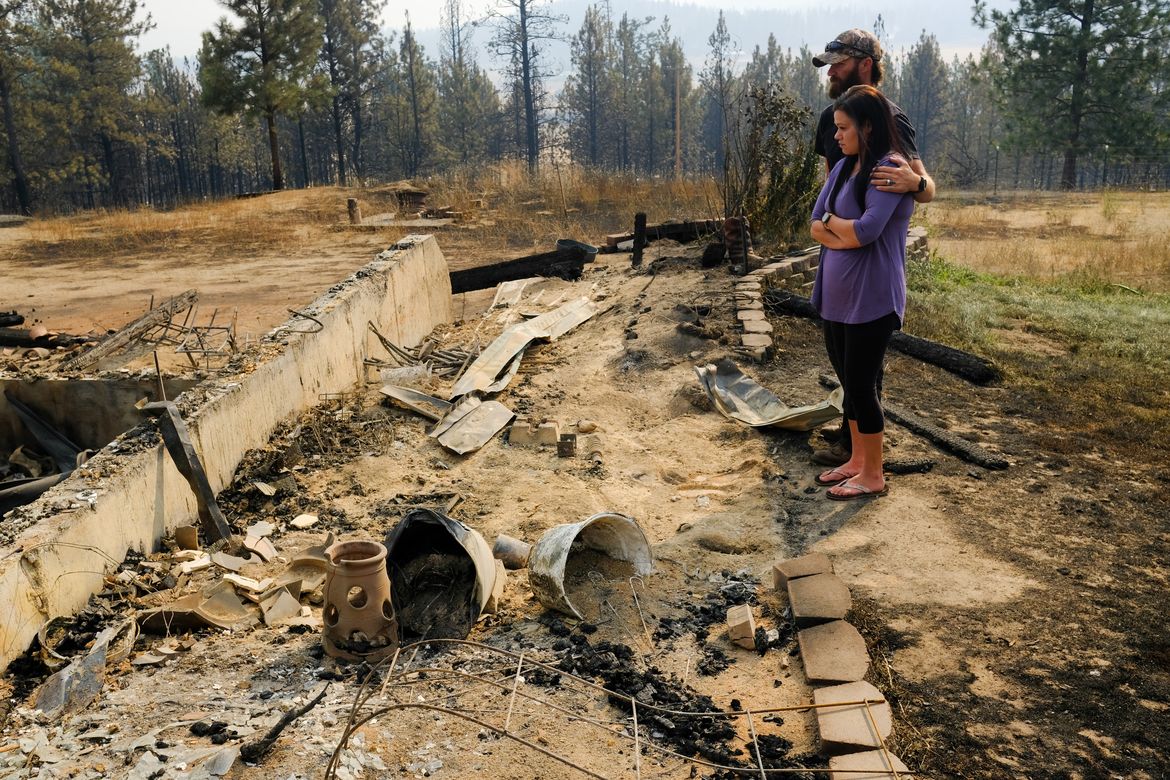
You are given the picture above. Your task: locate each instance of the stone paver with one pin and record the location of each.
(757, 326)
(849, 727)
(741, 626)
(846, 767)
(744, 315)
(804, 566)
(754, 340)
(818, 599)
(833, 652)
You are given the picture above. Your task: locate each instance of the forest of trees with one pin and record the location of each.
(293, 93)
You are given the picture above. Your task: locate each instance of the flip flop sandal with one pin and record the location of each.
(837, 481)
(861, 492)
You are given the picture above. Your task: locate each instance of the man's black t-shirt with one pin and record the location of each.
(827, 146)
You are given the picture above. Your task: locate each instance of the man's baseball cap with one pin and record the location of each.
(851, 43)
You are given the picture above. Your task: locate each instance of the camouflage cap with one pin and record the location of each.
(851, 43)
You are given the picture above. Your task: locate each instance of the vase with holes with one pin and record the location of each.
(358, 615)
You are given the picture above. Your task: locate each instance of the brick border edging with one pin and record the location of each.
(796, 273)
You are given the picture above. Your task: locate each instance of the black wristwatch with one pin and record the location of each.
(922, 184)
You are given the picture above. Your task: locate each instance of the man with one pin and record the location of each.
(855, 57)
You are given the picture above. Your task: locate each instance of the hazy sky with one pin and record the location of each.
(179, 23)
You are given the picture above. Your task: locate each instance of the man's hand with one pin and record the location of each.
(899, 177)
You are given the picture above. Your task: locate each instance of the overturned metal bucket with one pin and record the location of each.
(616, 535)
(442, 574)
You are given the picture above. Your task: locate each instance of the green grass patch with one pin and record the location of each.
(1091, 355)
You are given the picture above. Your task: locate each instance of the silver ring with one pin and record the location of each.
(889, 182)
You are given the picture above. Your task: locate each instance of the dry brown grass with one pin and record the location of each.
(1110, 237)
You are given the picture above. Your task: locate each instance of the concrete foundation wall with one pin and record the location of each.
(133, 493)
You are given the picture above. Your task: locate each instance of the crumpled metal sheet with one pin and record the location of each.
(419, 403)
(476, 428)
(493, 361)
(741, 398)
(615, 535)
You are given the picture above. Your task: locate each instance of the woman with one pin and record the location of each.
(860, 290)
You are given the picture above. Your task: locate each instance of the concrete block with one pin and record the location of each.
(818, 599)
(853, 766)
(833, 653)
(799, 265)
(795, 568)
(748, 287)
(847, 728)
(751, 314)
(741, 626)
(755, 305)
(810, 275)
(757, 326)
(756, 341)
(548, 433)
(522, 434)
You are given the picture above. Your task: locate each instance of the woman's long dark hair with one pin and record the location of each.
(877, 136)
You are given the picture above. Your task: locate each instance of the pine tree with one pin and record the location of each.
(923, 91)
(347, 54)
(522, 26)
(88, 48)
(588, 96)
(718, 82)
(469, 106)
(11, 63)
(263, 67)
(1079, 73)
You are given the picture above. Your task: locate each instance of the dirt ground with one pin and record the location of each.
(1014, 617)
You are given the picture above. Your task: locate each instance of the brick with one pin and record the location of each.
(833, 653)
(818, 599)
(852, 766)
(522, 435)
(795, 568)
(751, 314)
(757, 326)
(741, 626)
(548, 433)
(848, 727)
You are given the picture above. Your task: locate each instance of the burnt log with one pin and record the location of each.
(19, 337)
(971, 367)
(10, 318)
(565, 262)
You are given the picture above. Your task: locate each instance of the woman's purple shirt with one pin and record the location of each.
(864, 284)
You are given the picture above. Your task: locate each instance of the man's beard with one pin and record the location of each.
(839, 88)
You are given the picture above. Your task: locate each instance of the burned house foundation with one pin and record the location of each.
(55, 551)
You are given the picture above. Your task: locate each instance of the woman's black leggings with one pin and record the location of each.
(857, 353)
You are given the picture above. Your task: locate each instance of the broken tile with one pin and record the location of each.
(849, 726)
(261, 528)
(804, 566)
(280, 607)
(247, 583)
(196, 564)
(261, 546)
(833, 652)
(741, 626)
(230, 562)
(304, 521)
(885, 766)
(818, 599)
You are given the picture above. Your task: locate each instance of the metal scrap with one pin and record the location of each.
(741, 398)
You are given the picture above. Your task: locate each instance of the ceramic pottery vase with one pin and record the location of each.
(358, 615)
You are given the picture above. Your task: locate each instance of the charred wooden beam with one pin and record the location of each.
(682, 232)
(10, 318)
(566, 262)
(19, 337)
